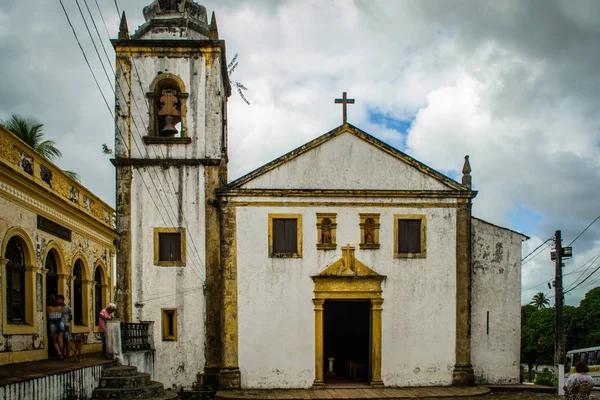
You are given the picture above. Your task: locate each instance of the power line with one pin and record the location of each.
(534, 250)
(586, 278)
(86, 60)
(540, 252)
(591, 261)
(582, 232)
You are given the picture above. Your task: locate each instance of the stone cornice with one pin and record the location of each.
(164, 162)
(234, 192)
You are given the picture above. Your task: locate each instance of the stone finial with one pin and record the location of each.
(123, 28)
(213, 32)
(174, 19)
(466, 179)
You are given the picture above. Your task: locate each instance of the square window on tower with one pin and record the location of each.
(169, 246)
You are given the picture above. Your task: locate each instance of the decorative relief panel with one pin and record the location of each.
(46, 175)
(62, 187)
(25, 161)
(326, 229)
(10, 152)
(369, 231)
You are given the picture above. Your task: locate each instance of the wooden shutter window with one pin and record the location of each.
(169, 246)
(285, 236)
(409, 236)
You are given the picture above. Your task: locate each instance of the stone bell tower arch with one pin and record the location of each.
(170, 157)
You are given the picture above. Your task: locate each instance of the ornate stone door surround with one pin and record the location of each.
(349, 279)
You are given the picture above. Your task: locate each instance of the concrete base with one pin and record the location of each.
(377, 384)
(229, 379)
(318, 385)
(209, 379)
(463, 375)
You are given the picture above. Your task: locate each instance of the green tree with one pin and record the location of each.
(31, 131)
(587, 324)
(540, 301)
(537, 335)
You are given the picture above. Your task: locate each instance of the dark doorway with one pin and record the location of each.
(346, 338)
(51, 290)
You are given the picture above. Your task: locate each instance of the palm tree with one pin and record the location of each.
(31, 131)
(540, 301)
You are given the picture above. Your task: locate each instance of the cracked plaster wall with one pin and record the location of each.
(496, 288)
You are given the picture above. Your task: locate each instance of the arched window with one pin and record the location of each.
(51, 275)
(15, 282)
(98, 300)
(167, 98)
(78, 293)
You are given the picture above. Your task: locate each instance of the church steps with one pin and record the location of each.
(124, 382)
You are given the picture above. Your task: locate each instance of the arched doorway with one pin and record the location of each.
(15, 282)
(51, 290)
(51, 275)
(78, 293)
(98, 295)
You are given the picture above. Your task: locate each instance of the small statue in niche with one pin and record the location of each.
(369, 231)
(326, 231)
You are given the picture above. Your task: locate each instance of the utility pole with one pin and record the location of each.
(559, 347)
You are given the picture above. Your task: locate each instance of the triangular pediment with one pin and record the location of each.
(348, 266)
(347, 158)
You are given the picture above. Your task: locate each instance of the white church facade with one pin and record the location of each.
(344, 259)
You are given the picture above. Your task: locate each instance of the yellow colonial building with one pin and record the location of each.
(56, 237)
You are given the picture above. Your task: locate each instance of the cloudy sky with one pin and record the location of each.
(514, 84)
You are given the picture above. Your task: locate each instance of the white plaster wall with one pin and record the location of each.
(496, 288)
(345, 162)
(276, 317)
(179, 197)
(204, 106)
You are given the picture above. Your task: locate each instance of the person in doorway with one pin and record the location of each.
(67, 316)
(580, 384)
(57, 326)
(105, 314)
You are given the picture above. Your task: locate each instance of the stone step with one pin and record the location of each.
(196, 394)
(153, 390)
(140, 379)
(121, 370)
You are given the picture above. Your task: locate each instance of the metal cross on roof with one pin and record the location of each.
(344, 101)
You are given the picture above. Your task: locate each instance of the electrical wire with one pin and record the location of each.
(582, 232)
(534, 250)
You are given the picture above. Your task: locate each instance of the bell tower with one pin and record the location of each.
(170, 158)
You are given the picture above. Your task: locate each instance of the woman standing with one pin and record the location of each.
(57, 326)
(579, 385)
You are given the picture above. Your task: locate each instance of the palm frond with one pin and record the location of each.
(48, 149)
(73, 175)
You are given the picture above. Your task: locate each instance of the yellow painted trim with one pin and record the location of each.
(344, 288)
(165, 312)
(61, 181)
(30, 326)
(423, 252)
(51, 206)
(337, 204)
(14, 357)
(376, 244)
(332, 245)
(298, 217)
(159, 263)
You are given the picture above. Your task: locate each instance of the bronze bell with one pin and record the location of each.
(169, 129)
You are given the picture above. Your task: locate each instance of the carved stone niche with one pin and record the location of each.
(369, 231)
(326, 231)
